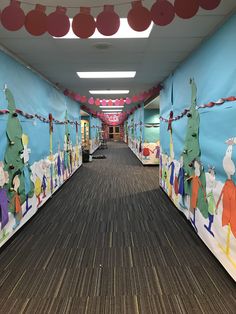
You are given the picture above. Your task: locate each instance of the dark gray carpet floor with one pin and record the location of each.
(110, 242)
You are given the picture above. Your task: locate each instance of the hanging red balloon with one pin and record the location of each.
(83, 24)
(139, 17)
(186, 9)
(209, 4)
(13, 17)
(162, 12)
(36, 21)
(108, 21)
(58, 23)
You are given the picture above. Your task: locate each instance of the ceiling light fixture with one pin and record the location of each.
(111, 107)
(125, 31)
(112, 110)
(108, 92)
(107, 74)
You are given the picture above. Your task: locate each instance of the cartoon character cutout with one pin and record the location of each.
(4, 179)
(16, 201)
(228, 197)
(26, 172)
(38, 189)
(181, 179)
(196, 185)
(146, 151)
(211, 184)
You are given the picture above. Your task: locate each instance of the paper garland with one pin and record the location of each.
(107, 22)
(211, 104)
(39, 117)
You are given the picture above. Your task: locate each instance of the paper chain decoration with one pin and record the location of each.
(211, 104)
(41, 118)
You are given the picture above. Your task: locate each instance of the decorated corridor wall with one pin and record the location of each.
(198, 142)
(141, 140)
(40, 143)
(95, 131)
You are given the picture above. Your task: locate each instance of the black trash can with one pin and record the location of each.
(85, 155)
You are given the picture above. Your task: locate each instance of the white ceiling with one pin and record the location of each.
(153, 59)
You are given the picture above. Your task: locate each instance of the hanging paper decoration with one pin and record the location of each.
(128, 101)
(36, 21)
(83, 24)
(134, 98)
(104, 103)
(122, 102)
(91, 101)
(83, 99)
(139, 17)
(108, 21)
(110, 102)
(162, 12)
(97, 102)
(77, 97)
(209, 4)
(186, 9)
(58, 23)
(13, 17)
(66, 92)
(117, 102)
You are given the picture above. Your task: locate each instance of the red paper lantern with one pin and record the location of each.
(139, 17)
(36, 21)
(186, 9)
(108, 21)
(13, 17)
(209, 4)
(83, 24)
(162, 12)
(58, 23)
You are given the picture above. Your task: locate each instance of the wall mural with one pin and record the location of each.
(208, 202)
(24, 187)
(140, 140)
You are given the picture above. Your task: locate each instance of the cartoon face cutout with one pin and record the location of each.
(4, 177)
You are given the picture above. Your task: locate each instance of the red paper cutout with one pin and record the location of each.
(104, 103)
(83, 24)
(97, 102)
(108, 21)
(91, 101)
(58, 23)
(77, 97)
(110, 102)
(209, 4)
(186, 9)
(36, 21)
(117, 102)
(83, 99)
(162, 12)
(122, 102)
(139, 17)
(13, 17)
(128, 101)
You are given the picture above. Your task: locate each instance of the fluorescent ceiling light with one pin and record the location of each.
(125, 31)
(110, 92)
(107, 74)
(110, 107)
(112, 110)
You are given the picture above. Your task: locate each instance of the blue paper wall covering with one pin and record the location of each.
(200, 187)
(49, 153)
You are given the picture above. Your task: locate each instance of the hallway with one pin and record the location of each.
(112, 243)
